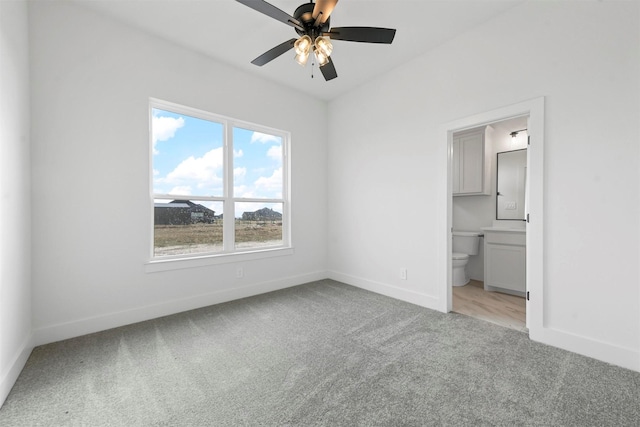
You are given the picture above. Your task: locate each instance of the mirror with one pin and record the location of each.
(510, 185)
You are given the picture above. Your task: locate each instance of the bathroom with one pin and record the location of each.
(489, 221)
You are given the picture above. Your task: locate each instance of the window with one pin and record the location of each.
(219, 185)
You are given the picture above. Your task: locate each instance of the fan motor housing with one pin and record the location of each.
(304, 14)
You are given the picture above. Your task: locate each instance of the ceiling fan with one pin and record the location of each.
(311, 22)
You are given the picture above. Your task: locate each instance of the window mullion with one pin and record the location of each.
(229, 209)
(286, 195)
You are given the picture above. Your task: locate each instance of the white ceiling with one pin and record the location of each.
(235, 34)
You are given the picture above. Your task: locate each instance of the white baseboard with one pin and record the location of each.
(405, 295)
(605, 352)
(103, 322)
(9, 376)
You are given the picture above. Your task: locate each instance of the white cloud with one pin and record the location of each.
(238, 153)
(156, 172)
(270, 186)
(205, 170)
(275, 152)
(201, 168)
(264, 138)
(181, 189)
(239, 173)
(164, 128)
(243, 191)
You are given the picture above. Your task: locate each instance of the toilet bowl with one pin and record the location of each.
(459, 264)
(465, 243)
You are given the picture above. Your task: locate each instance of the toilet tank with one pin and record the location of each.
(466, 242)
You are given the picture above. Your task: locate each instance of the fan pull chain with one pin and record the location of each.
(312, 64)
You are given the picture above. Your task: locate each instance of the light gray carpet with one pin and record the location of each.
(323, 353)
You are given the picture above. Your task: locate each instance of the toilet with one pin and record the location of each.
(465, 243)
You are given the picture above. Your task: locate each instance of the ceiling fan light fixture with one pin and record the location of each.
(323, 59)
(302, 58)
(303, 45)
(311, 21)
(324, 45)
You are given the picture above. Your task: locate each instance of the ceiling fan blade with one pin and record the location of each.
(322, 10)
(272, 11)
(329, 70)
(272, 54)
(362, 34)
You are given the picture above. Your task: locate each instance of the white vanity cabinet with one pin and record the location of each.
(468, 163)
(505, 260)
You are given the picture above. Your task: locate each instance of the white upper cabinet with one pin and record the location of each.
(469, 172)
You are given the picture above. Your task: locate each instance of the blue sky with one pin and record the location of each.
(188, 160)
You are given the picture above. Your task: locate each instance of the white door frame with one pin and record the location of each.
(535, 178)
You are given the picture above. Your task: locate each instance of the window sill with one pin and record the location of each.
(208, 260)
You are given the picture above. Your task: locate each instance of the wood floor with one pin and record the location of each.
(502, 309)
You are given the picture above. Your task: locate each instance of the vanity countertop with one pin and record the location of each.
(505, 229)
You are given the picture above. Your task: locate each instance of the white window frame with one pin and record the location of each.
(229, 252)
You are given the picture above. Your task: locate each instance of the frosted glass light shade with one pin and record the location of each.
(302, 58)
(322, 58)
(324, 45)
(303, 45)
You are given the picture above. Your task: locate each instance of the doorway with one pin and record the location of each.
(495, 307)
(492, 164)
(534, 109)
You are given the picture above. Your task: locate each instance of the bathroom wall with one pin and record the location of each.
(474, 212)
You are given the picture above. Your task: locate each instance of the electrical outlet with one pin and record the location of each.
(403, 273)
(239, 273)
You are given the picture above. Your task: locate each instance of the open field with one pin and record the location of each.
(201, 238)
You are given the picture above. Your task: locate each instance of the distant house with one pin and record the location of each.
(182, 212)
(264, 214)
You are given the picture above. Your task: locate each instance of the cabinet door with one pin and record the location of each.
(472, 163)
(468, 164)
(505, 266)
